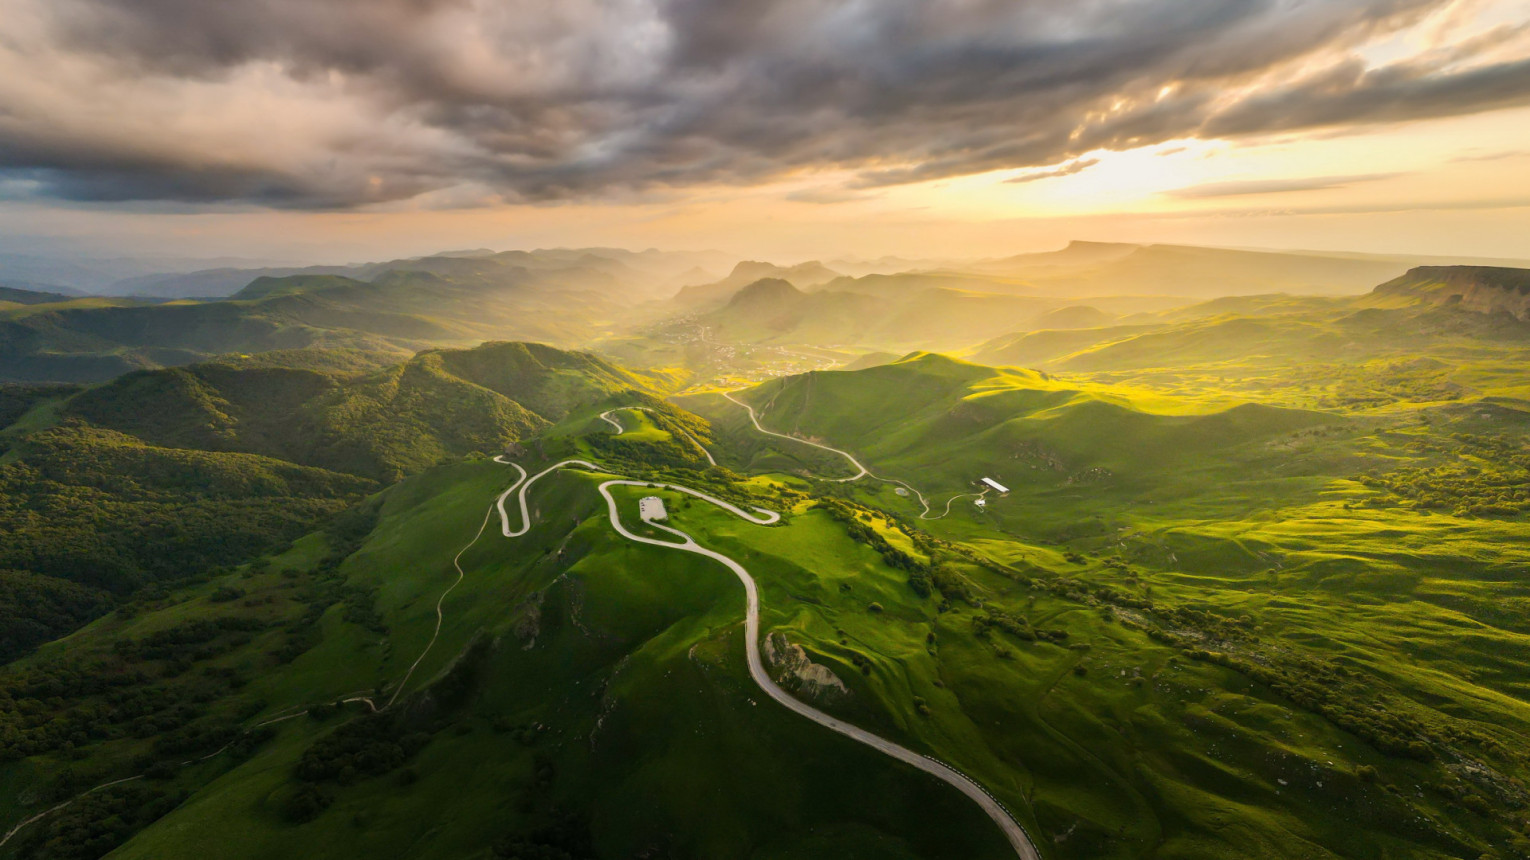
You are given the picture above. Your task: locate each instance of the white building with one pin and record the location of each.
(996, 486)
(651, 509)
(980, 502)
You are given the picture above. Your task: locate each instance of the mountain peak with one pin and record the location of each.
(764, 293)
(753, 269)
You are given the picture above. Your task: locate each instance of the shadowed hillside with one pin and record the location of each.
(443, 302)
(166, 474)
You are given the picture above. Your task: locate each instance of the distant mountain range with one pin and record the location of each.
(1428, 307)
(393, 308)
(203, 279)
(576, 297)
(701, 296)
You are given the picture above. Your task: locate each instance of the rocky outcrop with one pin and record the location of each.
(1482, 289)
(792, 669)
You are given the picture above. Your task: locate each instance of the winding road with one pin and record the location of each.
(456, 563)
(606, 417)
(861, 470)
(1018, 839)
(1013, 831)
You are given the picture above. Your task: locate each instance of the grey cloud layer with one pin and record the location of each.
(335, 103)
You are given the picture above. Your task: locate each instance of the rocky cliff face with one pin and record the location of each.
(1482, 289)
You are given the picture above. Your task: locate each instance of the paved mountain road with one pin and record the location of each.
(1011, 828)
(1018, 839)
(606, 417)
(861, 470)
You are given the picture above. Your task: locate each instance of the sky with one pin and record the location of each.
(344, 130)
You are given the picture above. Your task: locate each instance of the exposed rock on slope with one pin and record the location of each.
(1483, 289)
(795, 671)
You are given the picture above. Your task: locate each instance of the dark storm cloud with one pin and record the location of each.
(335, 103)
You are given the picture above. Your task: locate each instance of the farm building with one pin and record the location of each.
(996, 486)
(651, 508)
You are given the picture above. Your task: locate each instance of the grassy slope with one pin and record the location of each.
(637, 664)
(382, 424)
(1247, 511)
(398, 313)
(1110, 743)
(1384, 350)
(160, 474)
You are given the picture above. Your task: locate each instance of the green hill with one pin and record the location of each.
(1186, 612)
(718, 293)
(943, 423)
(1074, 316)
(165, 474)
(772, 311)
(384, 424)
(1254, 587)
(18, 296)
(1438, 334)
(1481, 289)
(399, 312)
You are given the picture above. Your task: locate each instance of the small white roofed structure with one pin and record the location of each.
(651, 508)
(980, 502)
(996, 485)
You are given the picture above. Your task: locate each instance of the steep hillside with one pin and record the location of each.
(772, 311)
(1481, 289)
(642, 272)
(381, 425)
(575, 678)
(705, 296)
(19, 296)
(165, 474)
(945, 423)
(1073, 316)
(456, 302)
(1187, 608)
(1442, 334)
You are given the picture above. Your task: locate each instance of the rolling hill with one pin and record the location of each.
(12, 295)
(772, 311)
(705, 296)
(954, 422)
(1156, 628)
(1255, 588)
(1437, 334)
(163, 475)
(400, 312)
